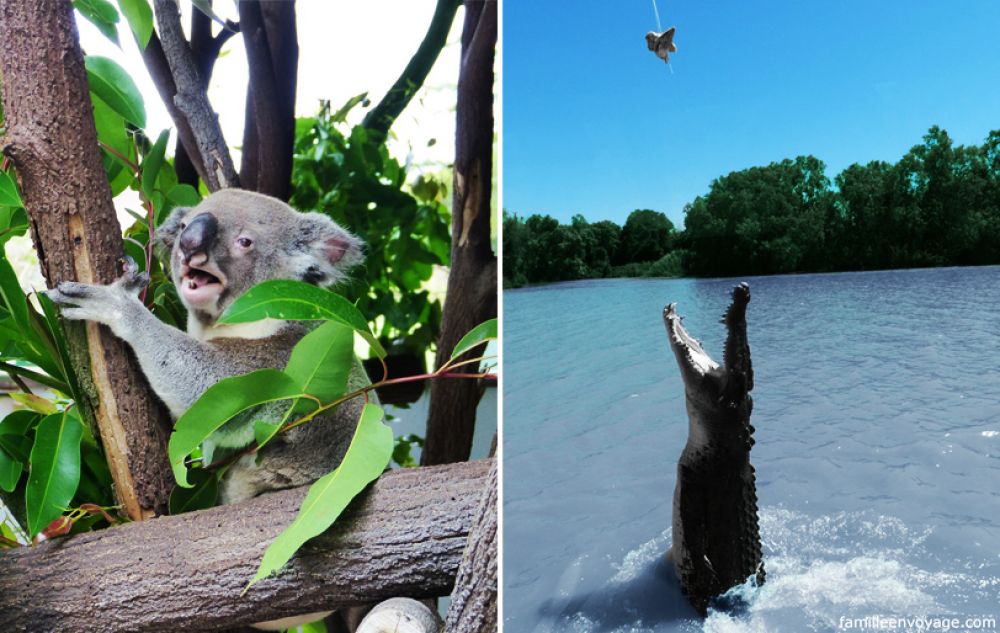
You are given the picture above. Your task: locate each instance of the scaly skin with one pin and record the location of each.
(716, 536)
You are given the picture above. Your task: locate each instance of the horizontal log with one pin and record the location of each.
(403, 537)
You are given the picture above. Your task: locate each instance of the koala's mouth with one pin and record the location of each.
(201, 285)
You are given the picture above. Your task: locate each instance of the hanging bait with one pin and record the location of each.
(662, 43)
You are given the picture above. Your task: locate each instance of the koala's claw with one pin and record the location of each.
(132, 280)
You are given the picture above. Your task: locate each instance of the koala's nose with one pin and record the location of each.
(199, 235)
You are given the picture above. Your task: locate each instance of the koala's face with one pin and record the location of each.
(236, 239)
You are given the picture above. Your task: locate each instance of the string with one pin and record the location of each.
(659, 28)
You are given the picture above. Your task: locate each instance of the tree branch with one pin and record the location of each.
(192, 101)
(382, 116)
(205, 48)
(52, 143)
(403, 537)
(159, 71)
(474, 602)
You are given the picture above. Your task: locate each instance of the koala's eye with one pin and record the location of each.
(244, 242)
(183, 225)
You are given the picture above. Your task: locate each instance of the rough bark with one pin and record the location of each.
(382, 116)
(159, 70)
(191, 99)
(205, 49)
(402, 537)
(474, 601)
(271, 41)
(52, 143)
(472, 283)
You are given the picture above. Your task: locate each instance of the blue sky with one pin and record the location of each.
(595, 124)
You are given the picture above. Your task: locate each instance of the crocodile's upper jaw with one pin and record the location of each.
(691, 357)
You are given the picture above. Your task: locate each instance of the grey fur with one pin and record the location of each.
(286, 244)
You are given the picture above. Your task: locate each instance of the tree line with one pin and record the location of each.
(939, 205)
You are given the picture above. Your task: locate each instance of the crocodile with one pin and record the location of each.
(716, 534)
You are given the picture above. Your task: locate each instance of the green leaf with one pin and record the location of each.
(10, 471)
(110, 82)
(319, 626)
(101, 14)
(152, 163)
(55, 469)
(13, 299)
(298, 301)
(485, 331)
(8, 192)
(19, 422)
(17, 446)
(35, 403)
(366, 458)
(13, 222)
(220, 403)
(264, 431)
(51, 321)
(140, 19)
(341, 114)
(320, 364)
(202, 494)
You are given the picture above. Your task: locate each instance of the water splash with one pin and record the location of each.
(820, 568)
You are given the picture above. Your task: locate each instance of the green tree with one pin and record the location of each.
(646, 237)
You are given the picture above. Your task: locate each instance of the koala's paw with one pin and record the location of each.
(132, 281)
(103, 304)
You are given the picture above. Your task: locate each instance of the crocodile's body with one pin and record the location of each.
(716, 537)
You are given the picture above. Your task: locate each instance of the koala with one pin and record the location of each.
(222, 247)
(219, 249)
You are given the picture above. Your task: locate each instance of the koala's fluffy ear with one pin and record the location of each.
(323, 251)
(167, 232)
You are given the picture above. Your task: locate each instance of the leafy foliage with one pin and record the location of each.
(938, 205)
(346, 174)
(366, 458)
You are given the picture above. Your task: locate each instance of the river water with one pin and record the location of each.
(877, 408)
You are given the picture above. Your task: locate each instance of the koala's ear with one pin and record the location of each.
(324, 251)
(167, 232)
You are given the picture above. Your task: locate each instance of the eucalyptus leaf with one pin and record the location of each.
(17, 446)
(101, 14)
(35, 403)
(8, 191)
(13, 222)
(110, 82)
(298, 301)
(139, 16)
(152, 163)
(10, 471)
(203, 493)
(320, 365)
(220, 403)
(55, 469)
(19, 422)
(485, 331)
(366, 458)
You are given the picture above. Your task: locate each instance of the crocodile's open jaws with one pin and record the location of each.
(716, 537)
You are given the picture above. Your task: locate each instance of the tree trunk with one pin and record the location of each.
(402, 537)
(52, 143)
(474, 602)
(269, 132)
(472, 283)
